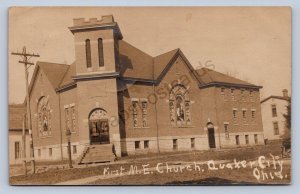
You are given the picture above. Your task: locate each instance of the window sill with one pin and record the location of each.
(187, 126)
(44, 137)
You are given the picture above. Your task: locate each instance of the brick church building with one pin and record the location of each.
(116, 98)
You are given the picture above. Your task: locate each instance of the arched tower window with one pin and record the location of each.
(100, 52)
(88, 53)
(179, 106)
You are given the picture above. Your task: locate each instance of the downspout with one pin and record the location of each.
(154, 92)
(219, 135)
(61, 148)
(157, 139)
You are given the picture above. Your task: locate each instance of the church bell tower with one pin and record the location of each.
(96, 52)
(96, 43)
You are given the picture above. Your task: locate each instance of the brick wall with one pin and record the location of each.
(226, 103)
(108, 50)
(42, 87)
(95, 94)
(208, 105)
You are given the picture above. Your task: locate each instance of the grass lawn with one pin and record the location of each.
(205, 177)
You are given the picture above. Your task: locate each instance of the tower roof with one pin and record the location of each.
(106, 21)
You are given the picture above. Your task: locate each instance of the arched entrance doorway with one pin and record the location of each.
(211, 135)
(98, 127)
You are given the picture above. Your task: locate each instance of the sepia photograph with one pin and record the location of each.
(149, 95)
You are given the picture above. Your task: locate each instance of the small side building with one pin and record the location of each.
(16, 114)
(273, 108)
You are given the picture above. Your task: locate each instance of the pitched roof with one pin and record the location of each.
(276, 97)
(67, 78)
(15, 116)
(136, 64)
(54, 72)
(161, 61)
(210, 77)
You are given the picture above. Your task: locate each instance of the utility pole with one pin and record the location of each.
(25, 60)
(24, 144)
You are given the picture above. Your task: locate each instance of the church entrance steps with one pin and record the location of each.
(80, 158)
(98, 153)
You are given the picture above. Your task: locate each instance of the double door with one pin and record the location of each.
(99, 131)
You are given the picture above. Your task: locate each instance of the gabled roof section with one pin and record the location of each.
(210, 77)
(16, 114)
(55, 72)
(276, 97)
(67, 79)
(134, 63)
(168, 60)
(161, 62)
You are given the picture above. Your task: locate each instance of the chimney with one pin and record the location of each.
(285, 93)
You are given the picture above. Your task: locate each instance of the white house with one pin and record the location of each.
(273, 108)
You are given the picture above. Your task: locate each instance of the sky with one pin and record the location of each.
(250, 43)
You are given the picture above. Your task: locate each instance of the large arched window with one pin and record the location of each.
(179, 106)
(100, 52)
(88, 53)
(44, 116)
(180, 110)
